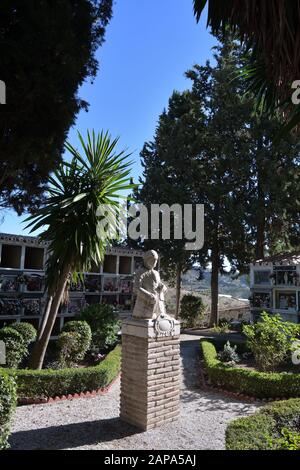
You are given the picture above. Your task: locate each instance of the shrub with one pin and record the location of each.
(229, 353)
(270, 340)
(26, 330)
(192, 310)
(248, 382)
(16, 349)
(68, 346)
(104, 323)
(220, 342)
(289, 440)
(274, 427)
(222, 328)
(84, 330)
(52, 383)
(8, 399)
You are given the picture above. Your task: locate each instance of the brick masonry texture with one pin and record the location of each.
(150, 381)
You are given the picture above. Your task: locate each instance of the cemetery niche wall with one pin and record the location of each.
(22, 282)
(275, 286)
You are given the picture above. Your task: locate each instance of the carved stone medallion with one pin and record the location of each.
(164, 325)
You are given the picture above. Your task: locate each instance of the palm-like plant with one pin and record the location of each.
(271, 29)
(83, 200)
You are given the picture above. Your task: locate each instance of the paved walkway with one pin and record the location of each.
(93, 423)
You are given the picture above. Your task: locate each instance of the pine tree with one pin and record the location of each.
(47, 51)
(210, 149)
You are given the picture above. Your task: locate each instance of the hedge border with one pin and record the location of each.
(8, 401)
(51, 384)
(261, 430)
(75, 396)
(248, 382)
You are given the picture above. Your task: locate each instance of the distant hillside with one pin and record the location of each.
(238, 288)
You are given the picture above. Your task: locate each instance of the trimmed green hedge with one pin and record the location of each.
(262, 431)
(52, 383)
(8, 400)
(248, 382)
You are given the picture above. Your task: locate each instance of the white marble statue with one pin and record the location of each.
(150, 291)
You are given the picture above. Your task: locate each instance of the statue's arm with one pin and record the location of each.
(146, 294)
(141, 291)
(164, 288)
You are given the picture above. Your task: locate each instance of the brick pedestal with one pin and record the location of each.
(150, 380)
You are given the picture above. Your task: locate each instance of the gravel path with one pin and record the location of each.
(93, 423)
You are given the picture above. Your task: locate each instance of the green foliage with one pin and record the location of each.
(53, 45)
(270, 341)
(250, 433)
(289, 440)
(68, 345)
(229, 354)
(210, 149)
(81, 217)
(266, 34)
(16, 349)
(167, 155)
(222, 328)
(8, 400)
(52, 383)
(219, 342)
(274, 427)
(93, 179)
(248, 382)
(104, 323)
(192, 309)
(26, 330)
(84, 330)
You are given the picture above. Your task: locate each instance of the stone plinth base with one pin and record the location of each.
(150, 380)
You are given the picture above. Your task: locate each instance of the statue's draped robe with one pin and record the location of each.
(147, 282)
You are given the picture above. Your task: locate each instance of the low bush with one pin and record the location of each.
(68, 345)
(270, 341)
(246, 381)
(222, 328)
(274, 427)
(104, 323)
(16, 348)
(192, 309)
(288, 440)
(219, 343)
(27, 331)
(52, 383)
(83, 329)
(8, 399)
(229, 354)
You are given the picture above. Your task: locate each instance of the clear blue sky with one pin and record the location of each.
(149, 45)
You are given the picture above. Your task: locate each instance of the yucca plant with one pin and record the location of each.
(82, 195)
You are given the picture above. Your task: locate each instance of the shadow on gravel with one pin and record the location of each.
(189, 351)
(205, 401)
(193, 392)
(74, 435)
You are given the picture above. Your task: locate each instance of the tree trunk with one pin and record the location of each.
(260, 240)
(178, 291)
(261, 213)
(214, 314)
(45, 316)
(40, 347)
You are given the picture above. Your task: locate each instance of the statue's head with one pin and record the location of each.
(150, 259)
